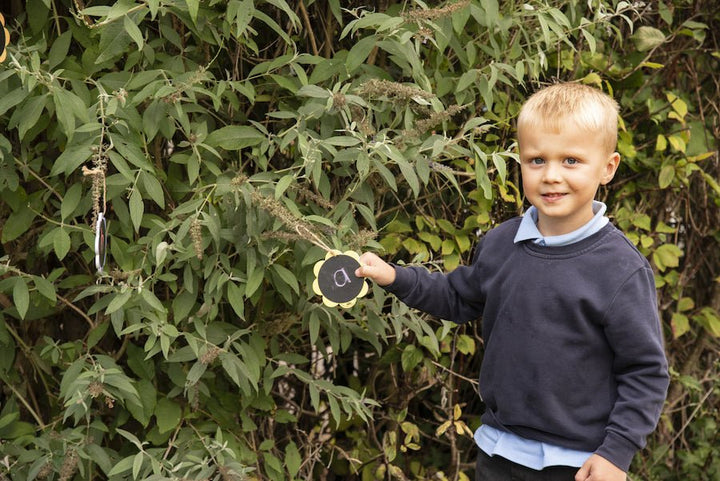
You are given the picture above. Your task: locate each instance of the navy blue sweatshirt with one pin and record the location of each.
(573, 348)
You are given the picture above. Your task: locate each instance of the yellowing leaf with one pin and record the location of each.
(661, 143)
(677, 143)
(667, 174)
(443, 428)
(677, 104)
(647, 38)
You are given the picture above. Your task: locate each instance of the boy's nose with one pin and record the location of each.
(551, 173)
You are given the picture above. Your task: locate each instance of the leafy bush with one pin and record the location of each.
(229, 144)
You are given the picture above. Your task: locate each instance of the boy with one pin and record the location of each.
(574, 373)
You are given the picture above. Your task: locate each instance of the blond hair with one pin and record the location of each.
(587, 107)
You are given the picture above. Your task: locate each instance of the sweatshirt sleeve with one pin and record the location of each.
(640, 368)
(455, 296)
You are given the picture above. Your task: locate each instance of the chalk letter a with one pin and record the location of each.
(341, 277)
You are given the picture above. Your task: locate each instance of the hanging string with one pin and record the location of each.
(99, 189)
(311, 237)
(280, 212)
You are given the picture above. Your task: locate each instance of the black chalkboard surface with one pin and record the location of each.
(336, 281)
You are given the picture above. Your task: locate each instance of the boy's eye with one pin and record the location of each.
(537, 161)
(571, 161)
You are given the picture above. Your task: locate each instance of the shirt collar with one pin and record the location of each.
(528, 228)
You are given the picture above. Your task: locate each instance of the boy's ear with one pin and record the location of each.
(611, 167)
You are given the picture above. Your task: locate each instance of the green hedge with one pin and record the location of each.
(230, 143)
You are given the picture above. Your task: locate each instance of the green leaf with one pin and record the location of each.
(465, 344)
(193, 7)
(293, 459)
(236, 298)
(359, 53)
(70, 201)
(17, 223)
(21, 297)
(685, 304)
(466, 80)
(667, 255)
(71, 158)
(335, 410)
(11, 99)
(642, 221)
(132, 29)
(410, 175)
(136, 209)
(137, 464)
(45, 287)
(283, 184)
(59, 49)
(118, 301)
(152, 300)
(667, 174)
(235, 137)
(287, 276)
(96, 334)
(182, 304)
(123, 465)
(411, 357)
(68, 107)
(167, 414)
(254, 281)
(61, 242)
(680, 324)
(647, 38)
(314, 91)
(29, 114)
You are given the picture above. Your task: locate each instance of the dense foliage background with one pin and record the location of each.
(235, 141)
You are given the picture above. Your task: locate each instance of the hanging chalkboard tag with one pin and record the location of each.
(4, 38)
(335, 279)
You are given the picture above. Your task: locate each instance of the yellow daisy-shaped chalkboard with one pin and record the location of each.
(335, 279)
(4, 38)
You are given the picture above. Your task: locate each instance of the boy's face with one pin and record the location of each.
(561, 173)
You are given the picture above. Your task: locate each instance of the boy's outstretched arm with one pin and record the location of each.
(597, 468)
(373, 267)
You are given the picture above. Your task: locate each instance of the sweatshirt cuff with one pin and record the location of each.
(404, 281)
(618, 450)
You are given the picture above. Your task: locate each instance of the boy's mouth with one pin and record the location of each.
(552, 196)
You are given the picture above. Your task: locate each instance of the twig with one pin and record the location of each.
(76, 309)
(35, 415)
(308, 26)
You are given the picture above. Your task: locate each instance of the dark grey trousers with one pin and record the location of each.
(496, 468)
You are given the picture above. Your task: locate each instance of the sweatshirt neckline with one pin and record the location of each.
(570, 250)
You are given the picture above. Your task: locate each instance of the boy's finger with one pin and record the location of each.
(582, 473)
(362, 271)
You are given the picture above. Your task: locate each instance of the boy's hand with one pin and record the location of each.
(597, 468)
(376, 269)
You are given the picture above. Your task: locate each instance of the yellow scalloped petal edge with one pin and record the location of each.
(364, 289)
(317, 267)
(316, 287)
(353, 254)
(328, 302)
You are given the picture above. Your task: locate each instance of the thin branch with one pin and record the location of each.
(308, 26)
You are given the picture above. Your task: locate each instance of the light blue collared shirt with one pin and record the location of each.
(528, 228)
(527, 452)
